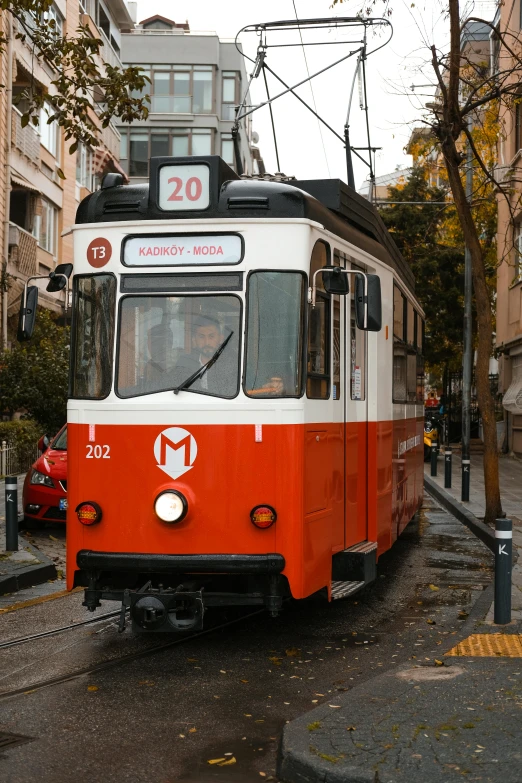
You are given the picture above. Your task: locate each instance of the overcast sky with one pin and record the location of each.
(393, 109)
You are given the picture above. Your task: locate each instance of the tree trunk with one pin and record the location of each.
(452, 160)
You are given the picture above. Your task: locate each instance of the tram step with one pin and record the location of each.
(342, 589)
(356, 564)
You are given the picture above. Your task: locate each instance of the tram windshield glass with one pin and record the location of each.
(164, 340)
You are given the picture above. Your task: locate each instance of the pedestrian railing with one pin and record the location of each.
(12, 462)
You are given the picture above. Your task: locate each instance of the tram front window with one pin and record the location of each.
(164, 340)
(275, 306)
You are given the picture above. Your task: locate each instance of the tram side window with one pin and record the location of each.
(419, 344)
(318, 362)
(94, 301)
(274, 336)
(357, 349)
(336, 342)
(400, 350)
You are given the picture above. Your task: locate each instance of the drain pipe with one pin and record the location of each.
(7, 187)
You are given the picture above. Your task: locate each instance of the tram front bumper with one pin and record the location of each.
(166, 592)
(90, 560)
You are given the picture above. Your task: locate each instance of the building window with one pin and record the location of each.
(180, 89)
(227, 150)
(54, 20)
(518, 252)
(229, 95)
(137, 147)
(85, 167)
(48, 131)
(44, 228)
(84, 6)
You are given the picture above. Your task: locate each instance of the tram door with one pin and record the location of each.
(356, 422)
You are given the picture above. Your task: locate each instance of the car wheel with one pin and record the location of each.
(33, 524)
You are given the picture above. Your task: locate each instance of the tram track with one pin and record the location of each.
(101, 667)
(55, 631)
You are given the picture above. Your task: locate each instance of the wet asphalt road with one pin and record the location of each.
(162, 717)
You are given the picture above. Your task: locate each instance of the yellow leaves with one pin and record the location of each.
(243, 680)
(192, 730)
(430, 621)
(438, 663)
(52, 538)
(275, 660)
(434, 587)
(350, 728)
(292, 652)
(223, 762)
(92, 687)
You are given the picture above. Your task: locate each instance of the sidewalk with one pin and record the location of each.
(459, 717)
(510, 471)
(26, 567)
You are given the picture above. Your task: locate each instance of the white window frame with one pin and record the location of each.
(48, 242)
(48, 132)
(86, 156)
(54, 13)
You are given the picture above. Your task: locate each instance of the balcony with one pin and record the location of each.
(22, 250)
(26, 140)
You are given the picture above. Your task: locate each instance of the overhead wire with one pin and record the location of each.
(311, 89)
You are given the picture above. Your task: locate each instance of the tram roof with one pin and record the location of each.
(329, 202)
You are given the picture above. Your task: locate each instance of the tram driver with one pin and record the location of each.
(220, 378)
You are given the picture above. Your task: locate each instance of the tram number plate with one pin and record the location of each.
(184, 187)
(62, 504)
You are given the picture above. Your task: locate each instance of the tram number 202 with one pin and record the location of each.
(98, 452)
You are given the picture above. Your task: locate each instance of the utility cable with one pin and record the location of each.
(311, 89)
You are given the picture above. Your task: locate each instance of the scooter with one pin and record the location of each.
(431, 435)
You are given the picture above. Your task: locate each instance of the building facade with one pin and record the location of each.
(36, 205)
(196, 83)
(508, 173)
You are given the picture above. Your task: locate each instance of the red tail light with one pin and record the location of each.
(89, 513)
(263, 516)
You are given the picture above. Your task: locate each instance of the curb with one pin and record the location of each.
(30, 575)
(478, 528)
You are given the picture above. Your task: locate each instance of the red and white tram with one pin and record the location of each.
(232, 441)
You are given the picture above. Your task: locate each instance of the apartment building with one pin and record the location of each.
(36, 205)
(197, 81)
(508, 173)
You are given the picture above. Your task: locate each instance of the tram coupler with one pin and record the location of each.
(91, 595)
(169, 610)
(274, 600)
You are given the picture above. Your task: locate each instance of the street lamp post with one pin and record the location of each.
(467, 354)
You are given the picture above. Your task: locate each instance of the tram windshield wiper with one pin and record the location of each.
(200, 372)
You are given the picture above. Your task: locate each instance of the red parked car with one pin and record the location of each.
(45, 486)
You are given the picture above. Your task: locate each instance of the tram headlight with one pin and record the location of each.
(171, 506)
(89, 512)
(263, 516)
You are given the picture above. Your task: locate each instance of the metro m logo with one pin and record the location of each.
(175, 450)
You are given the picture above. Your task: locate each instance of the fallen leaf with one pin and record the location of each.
(263, 774)
(433, 587)
(438, 663)
(247, 715)
(228, 762)
(335, 706)
(192, 731)
(292, 652)
(92, 687)
(244, 680)
(276, 661)
(430, 621)
(182, 736)
(52, 538)
(350, 728)
(222, 671)
(216, 761)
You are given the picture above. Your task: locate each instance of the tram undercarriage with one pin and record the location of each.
(170, 593)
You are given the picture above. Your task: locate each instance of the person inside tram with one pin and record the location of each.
(220, 378)
(159, 343)
(207, 339)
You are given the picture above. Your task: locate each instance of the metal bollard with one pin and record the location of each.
(466, 469)
(11, 513)
(503, 565)
(447, 469)
(434, 453)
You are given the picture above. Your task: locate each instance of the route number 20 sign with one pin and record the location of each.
(184, 187)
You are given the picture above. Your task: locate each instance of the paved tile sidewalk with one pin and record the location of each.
(510, 470)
